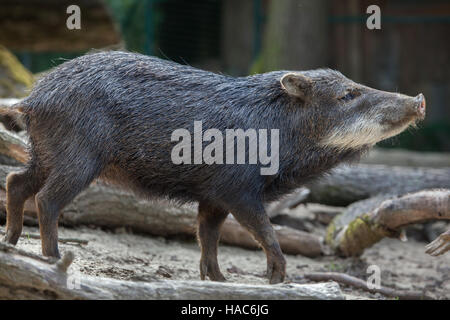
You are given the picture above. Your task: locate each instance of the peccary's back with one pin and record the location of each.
(122, 108)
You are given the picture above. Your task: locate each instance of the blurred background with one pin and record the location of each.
(409, 54)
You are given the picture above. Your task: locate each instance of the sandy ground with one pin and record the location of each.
(122, 255)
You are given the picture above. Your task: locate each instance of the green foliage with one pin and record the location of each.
(14, 78)
(131, 16)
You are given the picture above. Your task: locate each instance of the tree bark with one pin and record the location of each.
(367, 222)
(23, 276)
(12, 120)
(407, 158)
(347, 184)
(360, 284)
(295, 37)
(12, 145)
(288, 202)
(440, 245)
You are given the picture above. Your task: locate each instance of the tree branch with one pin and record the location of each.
(367, 222)
(23, 277)
(360, 284)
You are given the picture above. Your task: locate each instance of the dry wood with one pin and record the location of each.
(306, 217)
(288, 202)
(407, 158)
(413, 208)
(12, 145)
(7, 103)
(23, 277)
(292, 241)
(440, 245)
(11, 119)
(347, 184)
(367, 222)
(324, 214)
(360, 284)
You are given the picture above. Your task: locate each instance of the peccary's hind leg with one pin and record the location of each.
(255, 220)
(210, 219)
(60, 188)
(19, 187)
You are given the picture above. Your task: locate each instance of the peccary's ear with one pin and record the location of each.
(296, 84)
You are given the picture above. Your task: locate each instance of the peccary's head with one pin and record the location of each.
(349, 115)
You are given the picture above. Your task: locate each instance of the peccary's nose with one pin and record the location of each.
(421, 104)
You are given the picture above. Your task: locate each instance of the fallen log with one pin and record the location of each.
(407, 158)
(112, 208)
(6, 103)
(291, 241)
(324, 214)
(367, 222)
(348, 184)
(288, 202)
(12, 120)
(306, 217)
(440, 245)
(12, 145)
(24, 277)
(360, 284)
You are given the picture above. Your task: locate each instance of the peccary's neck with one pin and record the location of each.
(309, 164)
(301, 158)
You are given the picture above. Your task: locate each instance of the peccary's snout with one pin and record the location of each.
(411, 108)
(420, 105)
(415, 107)
(401, 110)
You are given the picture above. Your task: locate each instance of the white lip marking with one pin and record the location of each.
(363, 132)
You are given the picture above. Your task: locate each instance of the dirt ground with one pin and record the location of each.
(127, 256)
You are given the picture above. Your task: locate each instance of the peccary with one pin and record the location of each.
(111, 115)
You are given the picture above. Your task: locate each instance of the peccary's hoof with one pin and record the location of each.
(51, 254)
(276, 271)
(213, 272)
(11, 239)
(218, 277)
(276, 278)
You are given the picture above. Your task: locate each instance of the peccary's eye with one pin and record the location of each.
(349, 96)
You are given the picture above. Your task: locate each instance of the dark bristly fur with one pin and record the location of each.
(111, 115)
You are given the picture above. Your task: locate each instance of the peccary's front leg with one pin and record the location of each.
(257, 222)
(210, 219)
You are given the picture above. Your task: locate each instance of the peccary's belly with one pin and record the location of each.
(155, 179)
